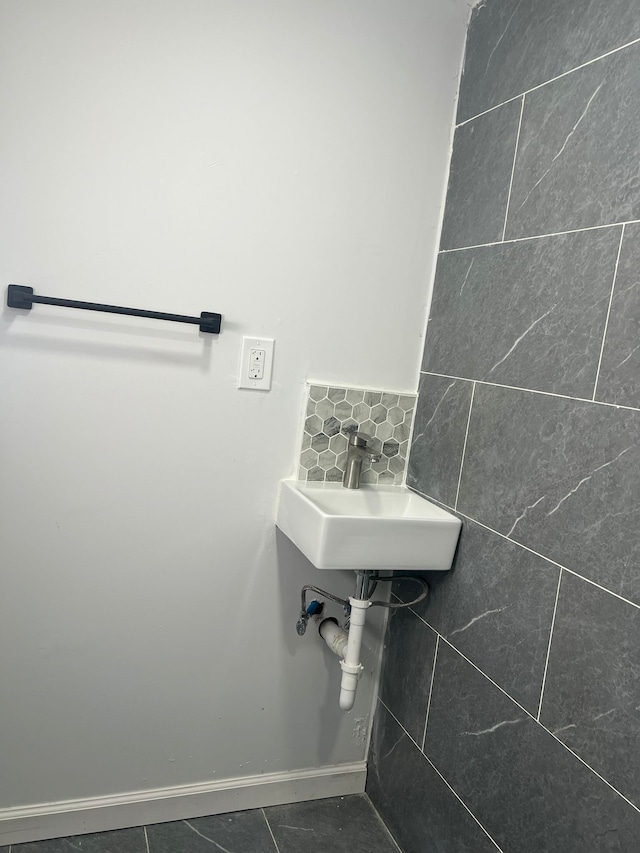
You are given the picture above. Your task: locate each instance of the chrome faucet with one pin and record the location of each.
(356, 454)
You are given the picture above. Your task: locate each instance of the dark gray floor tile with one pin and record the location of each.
(592, 689)
(438, 436)
(619, 380)
(512, 47)
(242, 832)
(525, 788)
(481, 165)
(405, 689)
(118, 841)
(530, 313)
(341, 825)
(417, 806)
(559, 476)
(577, 162)
(496, 606)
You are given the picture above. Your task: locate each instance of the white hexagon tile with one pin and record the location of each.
(334, 412)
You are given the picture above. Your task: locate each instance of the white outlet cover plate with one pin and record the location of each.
(244, 380)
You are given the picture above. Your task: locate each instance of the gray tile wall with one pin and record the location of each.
(509, 712)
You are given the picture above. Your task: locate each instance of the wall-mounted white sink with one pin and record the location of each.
(373, 527)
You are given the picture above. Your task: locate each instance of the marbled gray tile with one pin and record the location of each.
(479, 178)
(561, 477)
(332, 412)
(318, 392)
(577, 162)
(619, 379)
(242, 832)
(341, 825)
(118, 841)
(438, 437)
(524, 787)
(514, 46)
(496, 606)
(592, 690)
(530, 313)
(405, 689)
(420, 810)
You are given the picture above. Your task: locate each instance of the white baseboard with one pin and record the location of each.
(99, 814)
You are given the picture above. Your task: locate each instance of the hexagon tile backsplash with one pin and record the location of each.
(333, 412)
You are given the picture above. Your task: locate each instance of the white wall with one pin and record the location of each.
(282, 163)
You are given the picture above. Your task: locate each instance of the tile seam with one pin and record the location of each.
(533, 391)
(413, 741)
(433, 673)
(606, 322)
(382, 823)
(526, 548)
(538, 236)
(488, 677)
(513, 169)
(453, 791)
(546, 663)
(273, 838)
(464, 446)
(538, 723)
(551, 80)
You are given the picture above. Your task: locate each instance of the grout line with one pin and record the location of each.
(433, 672)
(553, 79)
(587, 580)
(546, 663)
(606, 322)
(146, 839)
(494, 107)
(532, 391)
(457, 796)
(526, 548)
(399, 723)
(462, 802)
(273, 838)
(542, 726)
(538, 236)
(513, 168)
(528, 713)
(481, 671)
(589, 767)
(378, 815)
(464, 446)
(515, 702)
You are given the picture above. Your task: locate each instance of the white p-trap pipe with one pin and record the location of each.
(334, 636)
(351, 666)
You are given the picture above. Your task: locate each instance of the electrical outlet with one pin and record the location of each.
(256, 364)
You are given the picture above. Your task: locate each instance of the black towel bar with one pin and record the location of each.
(19, 296)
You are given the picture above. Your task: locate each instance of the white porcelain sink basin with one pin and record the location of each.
(374, 527)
